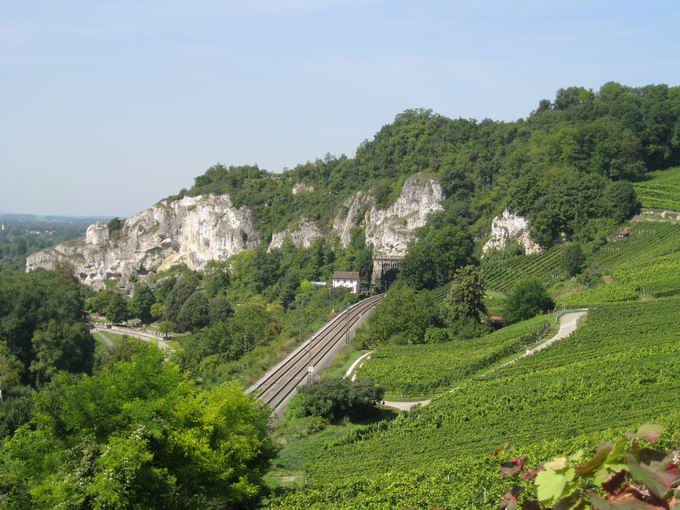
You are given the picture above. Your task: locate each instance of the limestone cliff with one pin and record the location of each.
(509, 227)
(390, 230)
(193, 230)
(306, 232)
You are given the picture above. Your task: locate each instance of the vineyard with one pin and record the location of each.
(647, 263)
(618, 370)
(408, 371)
(501, 275)
(662, 191)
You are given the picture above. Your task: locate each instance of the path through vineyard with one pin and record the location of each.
(569, 321)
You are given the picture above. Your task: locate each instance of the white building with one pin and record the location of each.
(348, 279)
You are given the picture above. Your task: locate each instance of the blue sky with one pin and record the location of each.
(108, 106)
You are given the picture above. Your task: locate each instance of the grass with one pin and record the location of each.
(300, 439)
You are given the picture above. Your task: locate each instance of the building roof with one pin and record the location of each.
(350, 275)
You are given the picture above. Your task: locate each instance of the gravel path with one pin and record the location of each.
(568, 324)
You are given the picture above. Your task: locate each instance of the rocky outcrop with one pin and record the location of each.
(192, 230)
(306, 232)
(353, 215)
(509, 227)
(390, 230)
(301, 187)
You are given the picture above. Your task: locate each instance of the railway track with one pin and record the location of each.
(280, 383)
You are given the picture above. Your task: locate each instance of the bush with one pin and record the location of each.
(467, 328)
(528, 298)
(573, 259)
(333, 399)
(437, 335)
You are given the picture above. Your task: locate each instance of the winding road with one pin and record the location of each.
(279, 384)
(140, 335)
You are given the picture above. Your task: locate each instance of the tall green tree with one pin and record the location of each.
(116, 309)
(142, 301)
(527, 299)
(465, 299)
(434, 258)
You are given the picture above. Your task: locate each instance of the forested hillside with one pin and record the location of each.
(554, 166)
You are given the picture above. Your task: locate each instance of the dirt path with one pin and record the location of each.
(568, 324)
(139, 335)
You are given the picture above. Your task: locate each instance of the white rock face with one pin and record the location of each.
(353, 215)
(510, 227)
(301, 187)
(193, 230)
(390, 230)
(303, 236)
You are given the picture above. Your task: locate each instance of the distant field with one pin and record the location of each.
(617, 371)
(661, 191)
(408, 371)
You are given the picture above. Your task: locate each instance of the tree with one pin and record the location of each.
(116, 309)
(466, 296)
(61, 346)
(29, 304)
(434, 258)
(527, 299)
(194, 312)
(157, 311)
(573, 259)
(332, 399)
(141, 303)
(404, 313)
(182, 290)
(10, 369)
(138, 434)
(165, 327)
(220, 309)
(620, 201)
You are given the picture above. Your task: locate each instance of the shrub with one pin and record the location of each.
(437, 335)
(333, 399)
(573, 259)
(528, 298)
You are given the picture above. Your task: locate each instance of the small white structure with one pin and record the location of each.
(348, 279)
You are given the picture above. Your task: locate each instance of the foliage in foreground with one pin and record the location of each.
(628, 473)
(137, 435)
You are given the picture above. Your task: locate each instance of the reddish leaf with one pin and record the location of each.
(615, 483)
(625, 502)
(655, 476)
(513, 467)
(649, 432)
(509, 501)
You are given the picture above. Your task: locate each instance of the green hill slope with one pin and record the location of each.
(618, 370)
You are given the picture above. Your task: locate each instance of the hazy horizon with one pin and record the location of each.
(111, 106)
